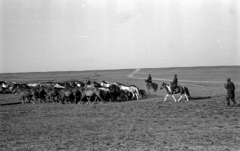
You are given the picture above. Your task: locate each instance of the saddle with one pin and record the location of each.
(175, 90)
(148, 82)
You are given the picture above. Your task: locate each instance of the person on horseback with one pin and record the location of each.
(149, 80)
(88, 82)
(174, 83)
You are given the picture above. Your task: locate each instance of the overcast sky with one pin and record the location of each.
(74, 35)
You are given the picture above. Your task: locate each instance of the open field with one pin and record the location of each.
(204, 123)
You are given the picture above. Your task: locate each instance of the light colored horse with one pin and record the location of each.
(90, 92)
(132, 89)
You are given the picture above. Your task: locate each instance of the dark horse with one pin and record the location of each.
(179, 89)
(153, 86)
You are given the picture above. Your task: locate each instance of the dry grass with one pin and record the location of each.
(204, 123)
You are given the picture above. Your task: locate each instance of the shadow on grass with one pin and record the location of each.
(149, 96)
(15, 103)
(201, 98)
(237, 105)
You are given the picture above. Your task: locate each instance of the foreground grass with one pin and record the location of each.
(204, 123)
(149, 124)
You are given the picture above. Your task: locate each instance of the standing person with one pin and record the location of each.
(230, 92)
(174, 83)
(149, 80)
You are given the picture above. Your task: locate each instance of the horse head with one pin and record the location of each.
(163, 86)
(146, 81)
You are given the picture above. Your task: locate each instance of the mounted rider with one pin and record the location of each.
(149, 80)
(174, 83)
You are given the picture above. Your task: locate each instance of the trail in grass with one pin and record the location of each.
(136, 71)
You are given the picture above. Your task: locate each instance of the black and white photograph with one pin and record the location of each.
(119, 75)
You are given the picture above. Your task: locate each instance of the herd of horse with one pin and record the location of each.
(82, 92)
(73, 92)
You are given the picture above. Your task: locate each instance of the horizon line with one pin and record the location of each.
(119, 69)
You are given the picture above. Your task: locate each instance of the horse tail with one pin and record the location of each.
(187, 92)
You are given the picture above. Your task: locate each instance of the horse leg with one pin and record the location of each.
(180, 98)
(137, 96)
(133, 95)
(82, 97)
(174, 98)
(21, 99)
(58, 98)
(125, 95)
(155, 90)
(95, 100)
(186, 97)
(166, 97)
(30, 99)
(98, 96)
(24, 102)
(88, 99)
(63, 100)
(130, 98)
(36, 99)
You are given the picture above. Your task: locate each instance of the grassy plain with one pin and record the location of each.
(204, 123)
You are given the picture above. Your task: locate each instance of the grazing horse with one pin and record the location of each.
(153, 86)
(132, 89)
(135, 90)
(179, 89)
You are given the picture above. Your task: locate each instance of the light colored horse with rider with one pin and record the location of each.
(179, 89)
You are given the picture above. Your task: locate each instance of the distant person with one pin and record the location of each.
(230, 92)
(149, 80)
(174, 83)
